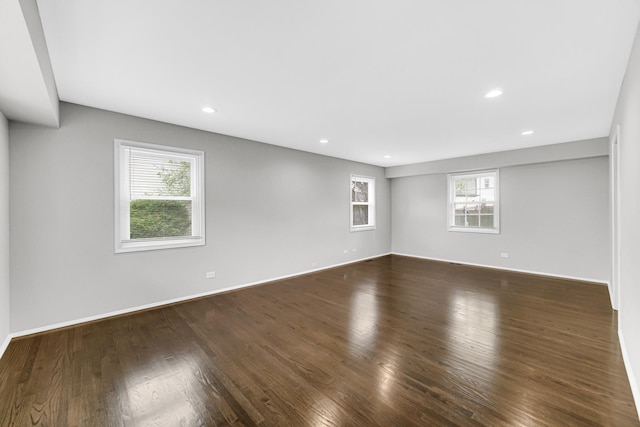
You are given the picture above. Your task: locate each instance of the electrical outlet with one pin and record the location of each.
(314, 264)
(346, 251)
(210, 274)
(353, 250)
(504, 254)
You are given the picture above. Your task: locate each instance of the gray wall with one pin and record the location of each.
(270, 212)
(554, 220)
(627, 115)
(4, 230)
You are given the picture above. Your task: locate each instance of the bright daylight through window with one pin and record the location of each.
(473, 202)
(363, 203)
(159, 200)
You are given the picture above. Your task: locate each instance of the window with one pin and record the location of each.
(473, 202)
(363, 203)
(159, 197)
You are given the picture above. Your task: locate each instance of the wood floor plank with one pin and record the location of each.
(390, 341)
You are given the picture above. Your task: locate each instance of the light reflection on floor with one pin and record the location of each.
(364, 338)
(324, 412)
(163, 399)
(387, 372)
(473, 327)
(363, 319)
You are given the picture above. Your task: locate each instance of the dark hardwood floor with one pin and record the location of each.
(394, 341)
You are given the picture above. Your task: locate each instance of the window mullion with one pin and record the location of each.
(156, 206)
(362, 213)
(474, 190)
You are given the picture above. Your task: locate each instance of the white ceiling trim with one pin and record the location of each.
(27, 87)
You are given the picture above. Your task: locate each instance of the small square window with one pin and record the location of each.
(473, 202)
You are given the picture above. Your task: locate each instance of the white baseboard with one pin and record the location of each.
(635, 389)
(175, 300)
(5, 344)
(614, 304)
(495, 267)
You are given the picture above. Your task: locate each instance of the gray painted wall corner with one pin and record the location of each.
(627, 116)
(270, 212)
(547, 211)
(5, 296)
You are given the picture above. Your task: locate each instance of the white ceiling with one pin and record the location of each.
(375, 77)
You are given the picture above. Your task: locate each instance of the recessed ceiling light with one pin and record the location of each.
(493, 93)
(324, 141)
(388, 156)
(208, 110)
(527, 132)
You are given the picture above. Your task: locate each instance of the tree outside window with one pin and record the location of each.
(160, 200)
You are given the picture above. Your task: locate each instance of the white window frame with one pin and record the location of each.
(122, 199)
(495, 173)
(371, 203)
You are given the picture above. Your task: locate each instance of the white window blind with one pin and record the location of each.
(160, 200)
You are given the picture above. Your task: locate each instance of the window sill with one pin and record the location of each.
(137, 246)
(363, 228)
(475, 230)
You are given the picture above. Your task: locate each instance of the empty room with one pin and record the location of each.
(368, 213)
